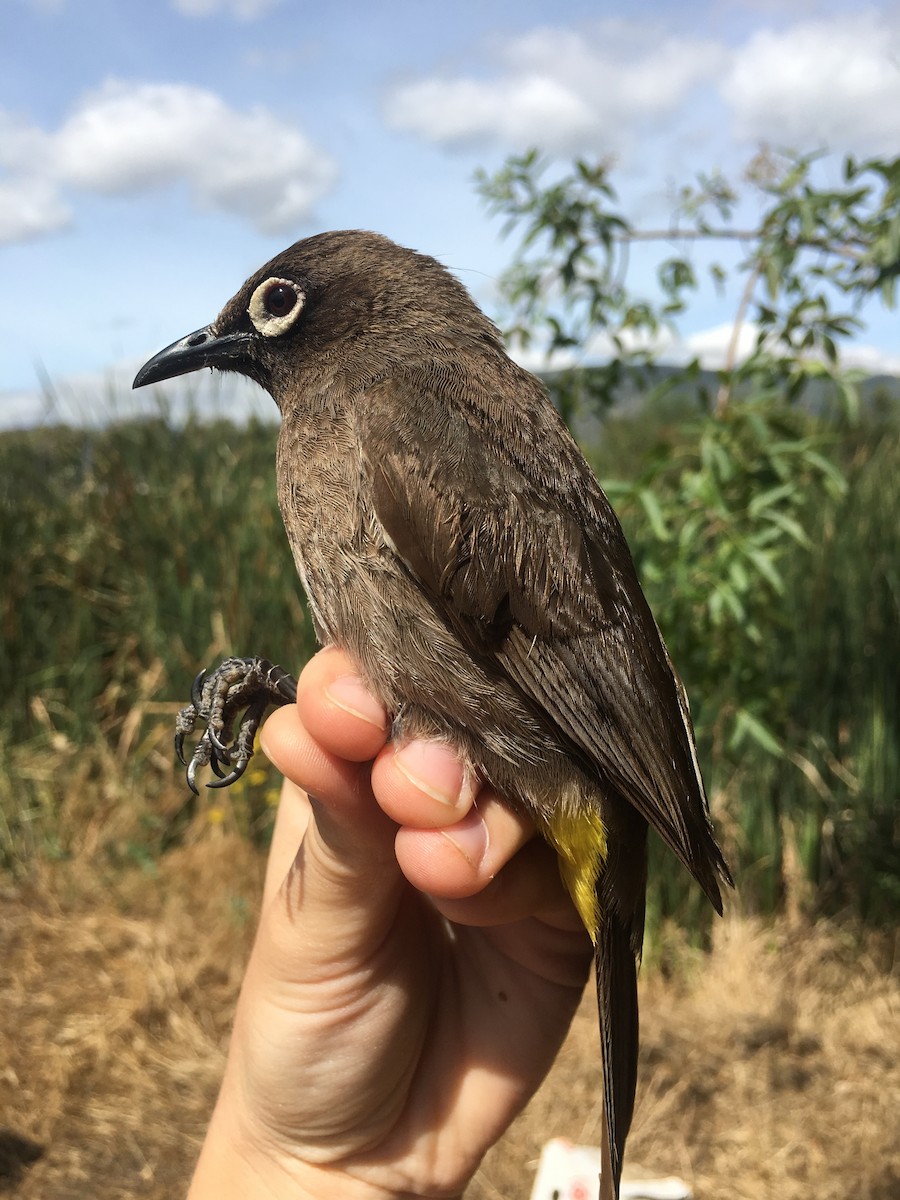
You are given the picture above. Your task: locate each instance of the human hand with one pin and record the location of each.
(415, 970)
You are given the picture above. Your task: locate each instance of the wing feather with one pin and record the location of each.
(511, 536)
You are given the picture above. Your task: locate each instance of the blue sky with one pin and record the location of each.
(153, 154)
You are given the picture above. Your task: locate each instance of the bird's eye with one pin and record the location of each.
(279, 300)
(275, 306)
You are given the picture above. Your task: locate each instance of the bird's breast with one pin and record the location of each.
(365, 599)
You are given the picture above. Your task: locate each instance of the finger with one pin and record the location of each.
(488, 869)
(426, 789)
(291, 821)
(337, 709)
(423, 784)
(463, 857)
(344, 783)
(529, 885)
(329, 899)
(335, 722)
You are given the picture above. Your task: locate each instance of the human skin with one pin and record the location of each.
(416, 967)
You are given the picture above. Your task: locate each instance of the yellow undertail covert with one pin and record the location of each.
(579, 839)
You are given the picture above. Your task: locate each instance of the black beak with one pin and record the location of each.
(201, 349)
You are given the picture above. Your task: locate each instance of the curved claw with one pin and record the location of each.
(190, 775)
(217, 770)
(217, 699)
(218, 744)
(232, 777)
(197, 690)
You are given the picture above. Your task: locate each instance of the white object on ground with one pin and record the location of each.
(570, 1172)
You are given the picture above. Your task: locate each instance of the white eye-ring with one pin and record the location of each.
(275, 306)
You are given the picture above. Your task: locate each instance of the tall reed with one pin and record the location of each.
(133, 555)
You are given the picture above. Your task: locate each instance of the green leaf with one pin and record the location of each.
(715, 607)
(719, 277)
(746, 725)
(651, 506)
(772, 274)
(688, 531)
(771, 496)
(738, 575)
(829, 469)
(791, 527)
(732, 602)
(765, 566)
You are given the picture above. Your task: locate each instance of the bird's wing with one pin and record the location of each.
(502, 522)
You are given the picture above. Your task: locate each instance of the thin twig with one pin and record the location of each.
(845, 250)
(724, 393)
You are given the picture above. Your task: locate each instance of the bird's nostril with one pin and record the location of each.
(198, 339)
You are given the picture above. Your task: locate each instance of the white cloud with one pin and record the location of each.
(528, 109)
(242, 10)
(94, 399)
(560, 89)
(30, 208)
(711, 347)
(23, 148)
(130, 138)
(819, 81)
(870, 359)
(833, 82)
(21, 409)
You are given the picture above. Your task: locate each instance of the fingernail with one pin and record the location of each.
(470, 837)
(434, 769)
(350, 693)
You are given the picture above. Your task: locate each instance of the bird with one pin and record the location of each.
(452, 539)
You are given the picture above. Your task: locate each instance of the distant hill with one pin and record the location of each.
(879, 394)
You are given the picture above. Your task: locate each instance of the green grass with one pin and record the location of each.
(134, 555)
(820, 826)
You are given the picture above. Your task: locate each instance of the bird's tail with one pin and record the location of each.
(616, 965)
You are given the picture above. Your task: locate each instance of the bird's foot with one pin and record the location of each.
(243, 687)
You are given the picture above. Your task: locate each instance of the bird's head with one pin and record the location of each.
(351, 300)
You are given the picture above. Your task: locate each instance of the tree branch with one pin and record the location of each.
(843, 250)
(723, 395)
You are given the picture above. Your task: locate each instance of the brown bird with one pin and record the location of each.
(454, 542)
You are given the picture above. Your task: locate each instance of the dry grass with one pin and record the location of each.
(769, 1068)
(114, 1026)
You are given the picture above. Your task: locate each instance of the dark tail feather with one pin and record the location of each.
(617, 999)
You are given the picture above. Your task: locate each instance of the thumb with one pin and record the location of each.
(332, 883)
